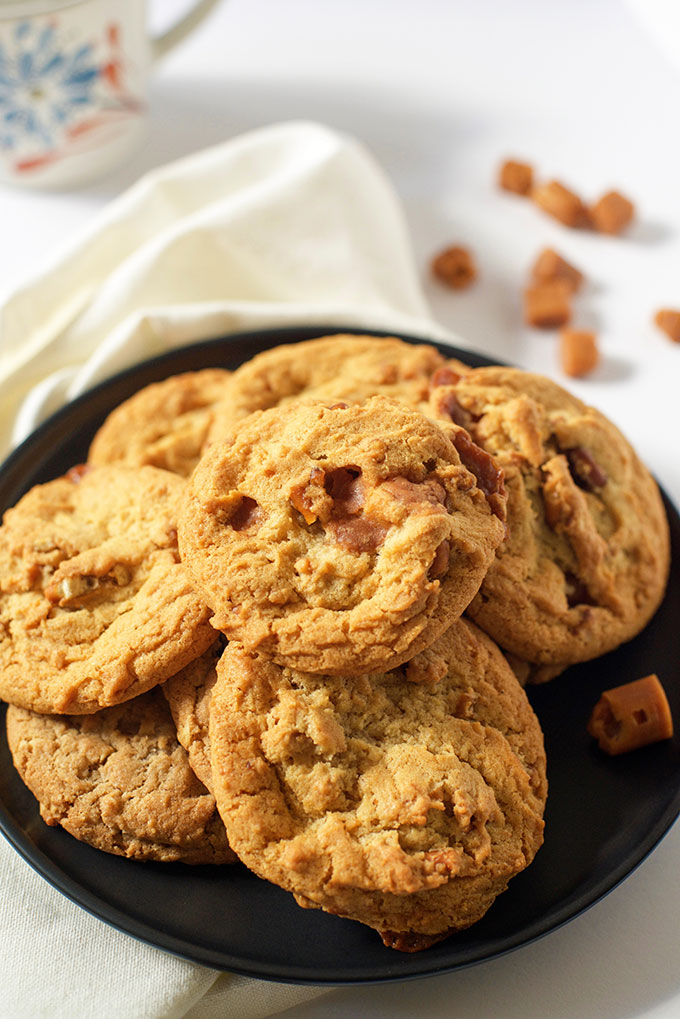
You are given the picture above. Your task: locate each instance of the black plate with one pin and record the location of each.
(603, 816)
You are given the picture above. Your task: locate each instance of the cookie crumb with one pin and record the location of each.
(455, 267)
(668, 320)
(561, 203)
(578, 352)
(550, 266)
(612, 213)
(546, 306)
(516, 177)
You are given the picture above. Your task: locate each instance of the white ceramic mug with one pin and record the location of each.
(73, 85)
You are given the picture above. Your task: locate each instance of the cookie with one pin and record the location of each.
(331, 368)
(163, 425)
(120, 781)
(188, 695)
(95, 606)
(337, 539)
(586, 559)
(405, 800)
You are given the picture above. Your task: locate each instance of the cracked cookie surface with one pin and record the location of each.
(586, 559)
(337, 539)
(120, 781)
(95, 606)
(330, 368)
(404, 800)
(188, 694)
(163, 425)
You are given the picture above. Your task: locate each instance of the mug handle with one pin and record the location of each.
(162, 44)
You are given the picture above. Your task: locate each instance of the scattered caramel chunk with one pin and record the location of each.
(455, 267)
(669, 321)
(517, 177)
(631, 716)
(578, 352)
(546, 306)
(561, 203)
(612, 213)
(550, 266)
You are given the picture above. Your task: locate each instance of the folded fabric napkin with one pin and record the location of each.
(292, 224)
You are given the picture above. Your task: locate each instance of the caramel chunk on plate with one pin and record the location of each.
(612, 213)
(550, 266)
(669, 321)
(578, 352)
(516, 177)
(455, 267)
(561, 203)
(547, 306)
(631, 716)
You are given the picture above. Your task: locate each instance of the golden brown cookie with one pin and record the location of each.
(95, 606)
(585, 562)
(188, 694)
(337, 539)
(405, 800)
(163, 425)
(120, 781)
(331, 368)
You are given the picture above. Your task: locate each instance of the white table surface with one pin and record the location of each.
(441, 92)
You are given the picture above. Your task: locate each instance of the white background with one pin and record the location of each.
(441, 92)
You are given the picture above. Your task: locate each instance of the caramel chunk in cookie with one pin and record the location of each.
(585, 560)
(366, 534)
(405, 800)
(95, 606)
(120, 781)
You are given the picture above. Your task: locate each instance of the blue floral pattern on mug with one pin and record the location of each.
(57, 95)
(42, 87)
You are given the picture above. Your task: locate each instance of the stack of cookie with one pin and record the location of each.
(297, 586)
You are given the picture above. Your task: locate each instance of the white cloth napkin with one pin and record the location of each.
(290, 224)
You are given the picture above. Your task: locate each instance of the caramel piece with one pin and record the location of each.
(561, 203)
(516, 177)
(455, 267)
(669, 321)
(547, 306)
(550, 266)
(578, 352)
(584, 470)
(631, 716)
(612, 213)
(77, 473)
(358, 534)
(490, 476)
(247, 514)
